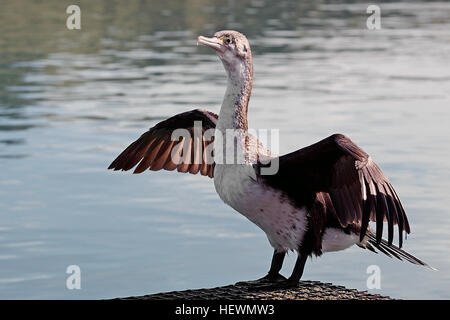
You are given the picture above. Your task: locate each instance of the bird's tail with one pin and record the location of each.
(392, 251)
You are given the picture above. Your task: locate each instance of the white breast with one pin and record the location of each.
(284, 224)
(335, 240)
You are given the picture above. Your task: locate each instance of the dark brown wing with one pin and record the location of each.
(182, 142)
(341, 175)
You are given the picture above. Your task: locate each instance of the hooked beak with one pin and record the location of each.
(215, 43)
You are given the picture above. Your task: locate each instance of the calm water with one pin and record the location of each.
(70, 101)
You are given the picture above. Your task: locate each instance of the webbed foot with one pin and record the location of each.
(278, 285)
(266, 280)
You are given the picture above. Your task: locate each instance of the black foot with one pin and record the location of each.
(279, 285)
(266, 280)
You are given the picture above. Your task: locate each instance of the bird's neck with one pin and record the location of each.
(232, 125)
(233, 113)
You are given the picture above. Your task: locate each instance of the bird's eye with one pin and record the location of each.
(228, 40)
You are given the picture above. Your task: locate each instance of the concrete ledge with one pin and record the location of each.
(307, 290)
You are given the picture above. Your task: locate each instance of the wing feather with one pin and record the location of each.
(357, 188)
(155, 149)
(186, 157)
(149, 156)
(161, 157)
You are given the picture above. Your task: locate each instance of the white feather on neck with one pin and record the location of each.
(234, 104)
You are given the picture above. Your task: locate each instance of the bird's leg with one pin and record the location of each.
(277, 262)
(273, 275)
(298, 268)
(292, 282)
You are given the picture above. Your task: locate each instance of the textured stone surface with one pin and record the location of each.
(307, 290)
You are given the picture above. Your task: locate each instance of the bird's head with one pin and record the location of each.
(232, 48)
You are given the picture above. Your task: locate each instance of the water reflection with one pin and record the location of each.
(70, 100)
